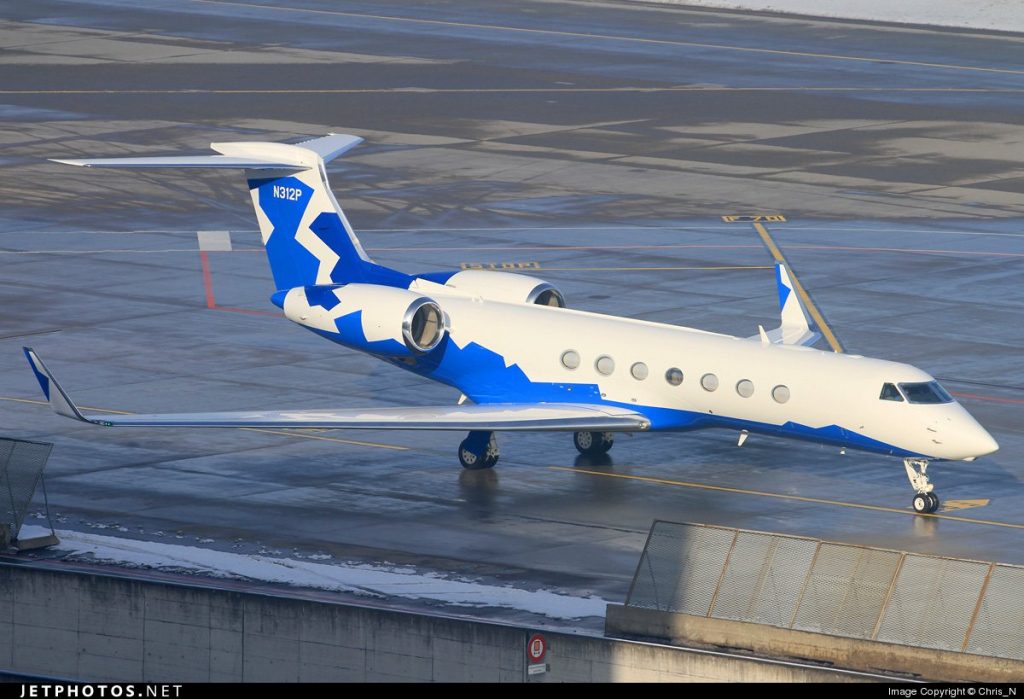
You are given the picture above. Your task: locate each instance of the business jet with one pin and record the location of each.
(524, 362)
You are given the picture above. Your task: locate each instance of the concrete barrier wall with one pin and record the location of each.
(111, 628)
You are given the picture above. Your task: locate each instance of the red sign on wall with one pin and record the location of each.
(536, 648)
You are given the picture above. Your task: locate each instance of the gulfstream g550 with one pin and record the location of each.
(525, 362)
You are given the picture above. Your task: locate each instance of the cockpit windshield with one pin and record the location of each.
(890, 392)
(930, 392)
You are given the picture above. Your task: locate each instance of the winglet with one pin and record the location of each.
(55, 395)
(795, 328)
(792, 310)
(796, 324)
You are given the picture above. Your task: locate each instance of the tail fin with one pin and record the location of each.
(308, 239)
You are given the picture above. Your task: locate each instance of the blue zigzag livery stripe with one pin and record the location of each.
(283, 201)
(482, 375)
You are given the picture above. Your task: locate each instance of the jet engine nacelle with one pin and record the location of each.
(506, 287)
(377, 319)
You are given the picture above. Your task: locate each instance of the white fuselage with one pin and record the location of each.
(825, 388)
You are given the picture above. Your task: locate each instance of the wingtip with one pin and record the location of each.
(783, 283)
(42, 376)
(782, 274)
(55, 395)
(76, 163)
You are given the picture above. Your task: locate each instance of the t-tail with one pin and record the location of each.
(307, 237)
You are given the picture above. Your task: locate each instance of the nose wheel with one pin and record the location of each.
(925, 501)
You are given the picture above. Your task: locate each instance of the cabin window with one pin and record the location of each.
(605, 365)
(570, 359)
(890, 392)
(925, 392)
(780, 394)
(745, 388)
(674, 376)
(709, 382)
(639, 371)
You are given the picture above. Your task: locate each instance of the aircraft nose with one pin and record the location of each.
(963, 439)
(983, 443)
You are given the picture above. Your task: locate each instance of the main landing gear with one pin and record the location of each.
(593, 443)
(925, 501)
(479, 450)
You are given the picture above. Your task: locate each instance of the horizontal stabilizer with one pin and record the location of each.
(331, 146)
(182, 161)
(493, 417)
(240, 155)
(307, 237)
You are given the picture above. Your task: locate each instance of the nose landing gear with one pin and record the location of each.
(925, 501)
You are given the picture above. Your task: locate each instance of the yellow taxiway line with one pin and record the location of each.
(819, 319)
(780, 496)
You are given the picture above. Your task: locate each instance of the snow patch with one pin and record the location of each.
(1002, 15)
(360, 579)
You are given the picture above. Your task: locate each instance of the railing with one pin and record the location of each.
(831, 588)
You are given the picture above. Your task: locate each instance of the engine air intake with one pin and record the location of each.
(423, 326)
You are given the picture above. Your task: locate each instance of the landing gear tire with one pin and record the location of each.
(593, 443)
(478, 452)
(925, 501)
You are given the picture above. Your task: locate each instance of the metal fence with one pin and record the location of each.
(836, 589)
(21, 468)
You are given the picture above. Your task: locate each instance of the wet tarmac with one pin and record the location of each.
(597, 145)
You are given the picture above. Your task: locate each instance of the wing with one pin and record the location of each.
(568, 417)
(795, 328)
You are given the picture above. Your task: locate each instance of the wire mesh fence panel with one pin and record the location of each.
(25, 466)
(933, 602)
(680, 568)
(763, 579)
(835, 589)
(845, 590)
(7, 509)
(999, 625)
